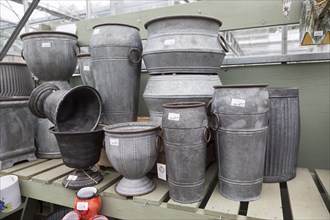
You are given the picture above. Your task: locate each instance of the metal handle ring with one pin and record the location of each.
(223, 43)
(208, 107)
(207, 134)
(22, 54)
(159, 142)
(135, 55)
(217, 124)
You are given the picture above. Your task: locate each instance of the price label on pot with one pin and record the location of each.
(87, 68)
(82, 206)
(169, 42)
(238, 102)
(173, 117)
(161, 171)
(72, 177)
(318, 33)
(114, 142)
(45, 44)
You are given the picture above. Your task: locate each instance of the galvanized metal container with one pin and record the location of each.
(184, 44)
(85, 69)
(16, 131)
(283, 135)
(177, 88)
(185, 135)
(77, 109)
(50, 55)
(80, 150)
(15, 79)
(116, 52)
(242, 120)
(132, 149)
(44, 141)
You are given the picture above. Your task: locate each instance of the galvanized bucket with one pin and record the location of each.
(132, 149)
(85, 69)
(184, 44)
(77, 109)
(283, 135)
(177, 88)
(50, 55)
(241, 113)
(44, 141)
(116, 52)
(80, 150)
(15, 79)
(185, 135)
(16, 131)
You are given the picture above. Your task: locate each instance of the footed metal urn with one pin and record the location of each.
(132, 149)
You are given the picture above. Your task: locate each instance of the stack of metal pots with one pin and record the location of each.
(75, 113)
(16, 121)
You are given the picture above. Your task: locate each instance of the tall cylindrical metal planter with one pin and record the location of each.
(116, 52)
(16, 131)
(85, 69)
(241, 112)
(161, 89)
(283, 135)
(15, 79)
(184, 132)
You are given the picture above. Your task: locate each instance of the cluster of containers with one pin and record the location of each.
(255, 129)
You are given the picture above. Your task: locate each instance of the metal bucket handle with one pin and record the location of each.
(218, 122)
(135, 55)
(22, 54)
(159, 142)
(223, 43)
(207, 134)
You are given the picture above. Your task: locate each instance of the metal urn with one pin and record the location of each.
(132, 149)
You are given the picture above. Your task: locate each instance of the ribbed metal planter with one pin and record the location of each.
(132, 150)
(15, 79)
(50, 55)
(283, 135)
(185, 135)
(85, 69)
(242, 120)
(44, 141)
(184, 44)
(177, 88)
(77, 109)
(16, 131)
(80, 150)
(116, 52)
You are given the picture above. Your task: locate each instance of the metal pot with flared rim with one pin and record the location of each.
(241, 113)
(85, 69)
(185, 135)
(116, 53)
(50, 55)
(132, 149)
(184, 44)
(15, 79)
(80, 150)
(16, 131)
(77, 109)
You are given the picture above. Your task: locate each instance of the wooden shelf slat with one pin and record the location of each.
(324, 179)
(269, 206)
(51, 175)
(110, 192)
(305, 199)
(21, 166)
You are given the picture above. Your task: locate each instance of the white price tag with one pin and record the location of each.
(72, 177)
(45, 44)
(161, 171)
(97, 31)
(82, 206)
(87, 68)
(318, 33)
(238, 102)
(114, 142)
(173, 117)
(169, 42)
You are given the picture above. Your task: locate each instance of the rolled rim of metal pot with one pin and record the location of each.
(131, 127)
(48, 32)
(180, 17)
(183, 104)
(240, 86)
(13, 63)
(84, 55)
(118, 24)
(96, 130)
